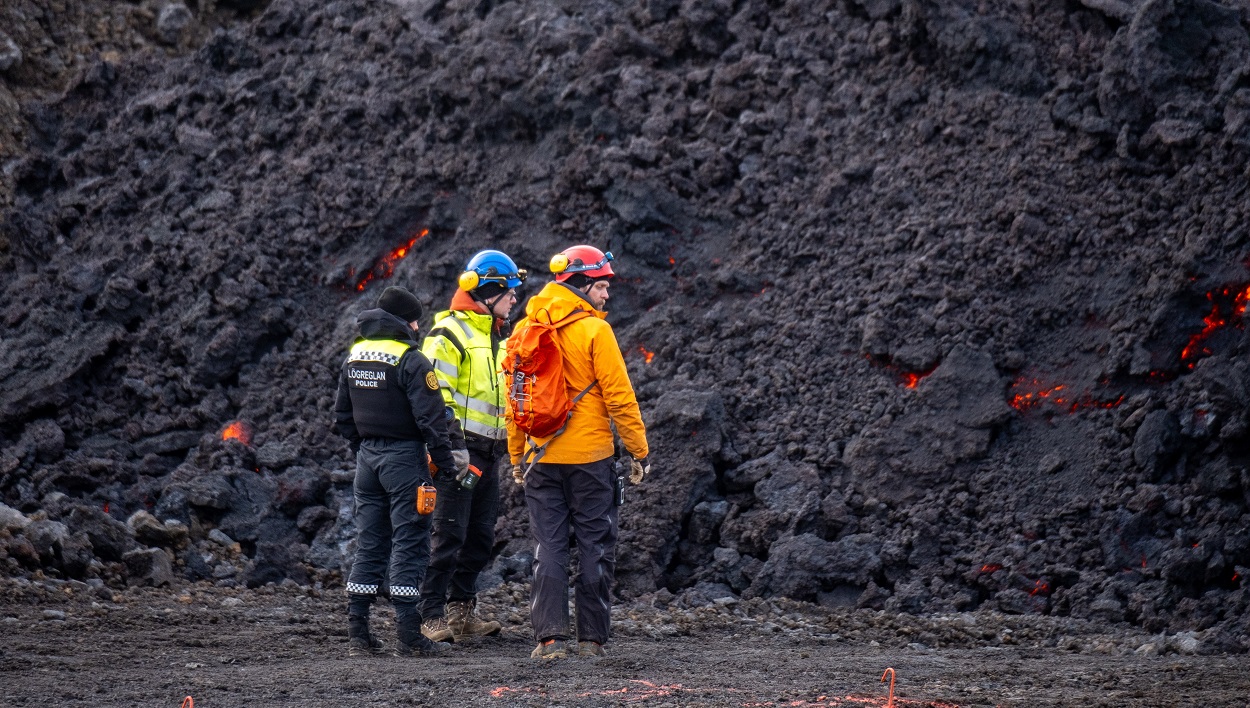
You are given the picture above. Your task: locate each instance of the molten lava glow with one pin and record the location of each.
(238, 430)
(991, 568)
(911, 379)
(907, 379)
(647, 355)
(1040, 588)
(1027, 394)
(1216, 320)
(385, 267)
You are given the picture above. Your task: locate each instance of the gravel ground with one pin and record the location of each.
(286, 645)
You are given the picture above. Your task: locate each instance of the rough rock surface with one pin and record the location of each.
(952, 293)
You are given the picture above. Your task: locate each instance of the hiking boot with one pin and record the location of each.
(437, 630)
(369, 646)
(590, 649)
(549, 649)
(411, 641)
(422, 646)
(360, 641)
(464, 624)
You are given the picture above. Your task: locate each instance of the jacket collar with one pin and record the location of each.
(558, 301)
(380, 324)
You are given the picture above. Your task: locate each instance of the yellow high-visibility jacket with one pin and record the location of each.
(466, 362)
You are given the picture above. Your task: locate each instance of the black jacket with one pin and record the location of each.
(404, 406)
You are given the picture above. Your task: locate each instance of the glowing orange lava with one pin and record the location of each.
(991, 568)
(238, 430)
(911, 379)
(1027, 394)
(647, 355)
(385, 267)
(1216, 320)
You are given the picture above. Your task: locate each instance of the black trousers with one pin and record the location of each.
(392, 539)
(579, 498)
(463, 535)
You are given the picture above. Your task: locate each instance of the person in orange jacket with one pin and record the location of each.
(574, 485)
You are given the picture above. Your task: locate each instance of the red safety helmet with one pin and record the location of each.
(587, 260)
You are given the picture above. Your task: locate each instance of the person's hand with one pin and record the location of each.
(518, 474)
(461, 458)
(638, 469)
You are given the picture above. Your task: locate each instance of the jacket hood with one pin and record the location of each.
(464, 301)
(557, 301)
(380, 324)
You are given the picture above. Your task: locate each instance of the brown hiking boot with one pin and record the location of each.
(437, 630)
(590, 649)
(549, 649)
(464, 624)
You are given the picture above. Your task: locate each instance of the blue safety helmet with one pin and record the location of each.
(490, 267)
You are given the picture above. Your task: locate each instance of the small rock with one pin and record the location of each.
(54, 615)
(11, 518)
(231, 602)
(219, 537)
(173, 19)
(149, 531)
(10, 53)
(1185, 643)
(1051, 463)
(148, 566)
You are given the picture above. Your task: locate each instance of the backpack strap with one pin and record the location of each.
(534, 453)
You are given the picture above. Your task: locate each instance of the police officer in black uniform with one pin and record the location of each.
(390, 411)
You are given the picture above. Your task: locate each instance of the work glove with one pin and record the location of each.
(518, 474)
(638, 469)
(461, 458)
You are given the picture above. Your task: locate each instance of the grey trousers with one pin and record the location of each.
(392, 539)
(579, 498)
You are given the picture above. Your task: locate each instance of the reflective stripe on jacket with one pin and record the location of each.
(466, 363)
(590, 353)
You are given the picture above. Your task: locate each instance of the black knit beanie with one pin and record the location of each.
(488, 290)
(401, 303)
(581, 280)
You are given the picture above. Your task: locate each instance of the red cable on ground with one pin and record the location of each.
(188, 702)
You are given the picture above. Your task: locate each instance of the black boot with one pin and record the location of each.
(411, 641)
(360, 642)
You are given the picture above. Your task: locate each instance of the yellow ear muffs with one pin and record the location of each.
(558, 263)
(469, 280)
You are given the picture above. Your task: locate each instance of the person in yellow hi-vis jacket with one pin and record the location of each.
(464, 348)
(574, 483)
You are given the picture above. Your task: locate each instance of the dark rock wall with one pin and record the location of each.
(944, 299)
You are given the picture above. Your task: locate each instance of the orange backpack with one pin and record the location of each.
(538, 399)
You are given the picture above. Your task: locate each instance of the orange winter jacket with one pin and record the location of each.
(590, 353)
